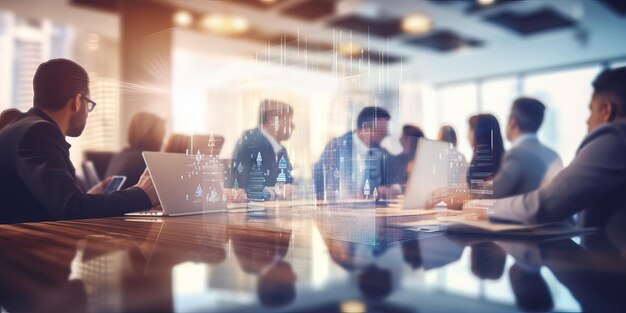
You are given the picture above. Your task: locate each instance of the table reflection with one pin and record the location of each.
(221, 264)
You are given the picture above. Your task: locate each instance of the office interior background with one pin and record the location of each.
(210, 63)
(204, 66)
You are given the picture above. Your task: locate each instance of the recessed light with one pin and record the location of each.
(350, 49)
(416, 24)
(485, 3)
(183, 18)
(225, 24)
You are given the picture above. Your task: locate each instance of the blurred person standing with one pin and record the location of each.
(261, 169)
(355, 164)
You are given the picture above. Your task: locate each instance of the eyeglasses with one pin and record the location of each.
(90, 104)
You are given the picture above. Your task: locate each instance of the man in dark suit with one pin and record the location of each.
(261, 169)
(37, 181)
(595, 181)
(355, 165)
(528, 164)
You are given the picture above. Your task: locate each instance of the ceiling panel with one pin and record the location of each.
(384, 28)
(528, 23)
(444, 41)
(311, 10)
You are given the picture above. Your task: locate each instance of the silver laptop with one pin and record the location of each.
(185, 184)
(436, 166)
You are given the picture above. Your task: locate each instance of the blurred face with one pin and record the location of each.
(280, 125)
(599, 113)
(471, 136)
(78, 120)
(373, 135)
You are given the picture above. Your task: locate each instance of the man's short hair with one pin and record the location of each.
(528, 112)
(270, 107)
(56, 81)
(368, 116)
(612, 82)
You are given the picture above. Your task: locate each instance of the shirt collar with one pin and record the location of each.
(361, 148)
(275, 145)
(42, 114)
(524, 137)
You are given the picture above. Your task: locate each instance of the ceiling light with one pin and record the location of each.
(183, 18)
(225, 24)
(268, 1)
(350, 49)
(416, 24)
(485, 3)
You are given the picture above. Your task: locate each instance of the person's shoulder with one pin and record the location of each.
(251, 134)
(615, 129)
(42, 129)
(547, 151)
(343, 140)
(30, 125)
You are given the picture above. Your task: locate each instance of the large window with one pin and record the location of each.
(497, 95)
(455, 104)
(566, 95)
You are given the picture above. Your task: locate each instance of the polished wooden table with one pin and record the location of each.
(298, 261)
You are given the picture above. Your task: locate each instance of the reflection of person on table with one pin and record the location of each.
(261, 253)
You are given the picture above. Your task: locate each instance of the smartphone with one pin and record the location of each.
(116, 184)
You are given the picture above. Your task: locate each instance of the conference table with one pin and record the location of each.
(299, 260)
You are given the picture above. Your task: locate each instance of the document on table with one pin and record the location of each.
(465, 224)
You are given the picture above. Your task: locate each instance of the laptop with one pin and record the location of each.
(434, 163)
(185, 184)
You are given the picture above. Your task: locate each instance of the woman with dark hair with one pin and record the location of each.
(458, 168)
(447, 134)
(145, 133)
(488, 148)
(403, 163)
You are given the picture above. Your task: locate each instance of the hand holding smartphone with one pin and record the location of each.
(116, 184)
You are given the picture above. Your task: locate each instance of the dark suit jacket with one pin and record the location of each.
(594, 183)
(246, 152)
(128, 162)
(37, 178)
(334, 168)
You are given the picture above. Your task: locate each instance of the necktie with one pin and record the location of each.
(372, 173)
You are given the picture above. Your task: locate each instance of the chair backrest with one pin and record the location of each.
(91, 176)
(100, 159)
(206, 144)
